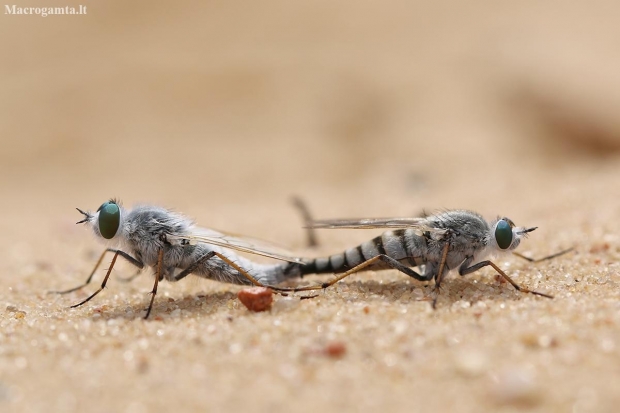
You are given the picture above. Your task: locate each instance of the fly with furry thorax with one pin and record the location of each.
(174, 247)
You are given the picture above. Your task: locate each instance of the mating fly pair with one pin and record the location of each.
(174, 247)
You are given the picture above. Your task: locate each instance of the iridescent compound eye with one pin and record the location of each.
(503, 234)
(109, 219)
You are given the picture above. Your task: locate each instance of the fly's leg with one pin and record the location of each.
(382, 257)
(548, 257)
(439, 277)
(105, 280)
(90, 277)
(228, 261)
(247, 275)
(301, 205)
(194, 266)
(465, 269)
(158, 275)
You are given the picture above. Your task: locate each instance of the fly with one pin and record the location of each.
(174, 247)
(435, 244)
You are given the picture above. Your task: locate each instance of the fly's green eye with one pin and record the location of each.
(109, 219)
(503, 234)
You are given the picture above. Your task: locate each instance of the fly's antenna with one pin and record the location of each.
(87, 216)
(526, 230)
(302, 207)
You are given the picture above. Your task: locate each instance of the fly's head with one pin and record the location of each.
(106, 222)
(506, 236)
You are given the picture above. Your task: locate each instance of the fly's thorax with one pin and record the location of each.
(150, 228)
(461, 227)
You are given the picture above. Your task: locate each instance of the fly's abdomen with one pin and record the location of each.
(394, 244)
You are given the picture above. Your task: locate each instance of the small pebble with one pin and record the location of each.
(102, 309)
(256, 298)
(535, 340)
(17, 313)
(599, 248)
(335, 349)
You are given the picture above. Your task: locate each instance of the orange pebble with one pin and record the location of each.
(256, 298)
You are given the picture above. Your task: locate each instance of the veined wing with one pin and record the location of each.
(237, 242)
(419, 224)
(366, 223)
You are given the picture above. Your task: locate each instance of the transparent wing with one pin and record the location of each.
(419, 224)
(365, 223)
(237, 242)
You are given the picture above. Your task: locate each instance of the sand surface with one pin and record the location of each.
(223, 112)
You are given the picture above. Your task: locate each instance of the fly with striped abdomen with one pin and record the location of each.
(435, 244)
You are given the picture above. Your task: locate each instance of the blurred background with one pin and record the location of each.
(224, 110)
